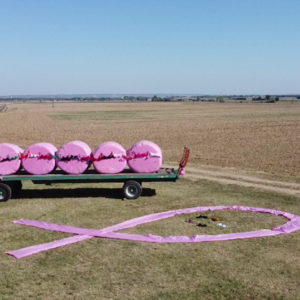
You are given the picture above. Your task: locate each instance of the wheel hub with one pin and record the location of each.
(2, 194)
(132, 190)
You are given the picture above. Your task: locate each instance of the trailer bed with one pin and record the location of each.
(11, 185)
(163, 174)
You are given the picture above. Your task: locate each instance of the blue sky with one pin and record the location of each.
(149, 46)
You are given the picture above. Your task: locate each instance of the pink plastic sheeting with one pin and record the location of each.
(74, 166)
(11, 166)
(35, 165)
(113, 158)
(109, 232)
(141, 163)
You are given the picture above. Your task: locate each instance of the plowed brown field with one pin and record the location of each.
(255, 136)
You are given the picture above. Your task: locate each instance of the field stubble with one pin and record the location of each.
(262, 268)
(256, 136)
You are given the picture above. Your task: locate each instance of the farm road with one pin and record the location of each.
(227, 177)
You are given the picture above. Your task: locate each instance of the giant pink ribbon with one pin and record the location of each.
(109, 232)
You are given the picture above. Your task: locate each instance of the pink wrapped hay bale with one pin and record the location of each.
(39, 159)
(144, 157)
(10, 162)
(74, 157)
(109, 158)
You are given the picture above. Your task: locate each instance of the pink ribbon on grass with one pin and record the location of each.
(82, 234)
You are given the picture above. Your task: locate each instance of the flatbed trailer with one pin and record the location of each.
(11, 185)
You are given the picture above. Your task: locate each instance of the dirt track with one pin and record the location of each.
(228, 177)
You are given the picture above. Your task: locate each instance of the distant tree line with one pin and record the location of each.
(267, 99)
(155, 98)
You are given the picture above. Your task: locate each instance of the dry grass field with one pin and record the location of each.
(260, 137)
(261, 268)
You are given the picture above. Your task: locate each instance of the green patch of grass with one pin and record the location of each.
(261, 268)
(104, 115)
(251, 116)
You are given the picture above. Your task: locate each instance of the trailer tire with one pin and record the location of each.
(5, 192)
(132, 190)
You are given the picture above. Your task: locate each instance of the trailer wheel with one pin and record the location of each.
(5, 192)
(132, 190)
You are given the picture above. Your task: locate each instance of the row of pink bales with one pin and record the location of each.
(76, 157)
